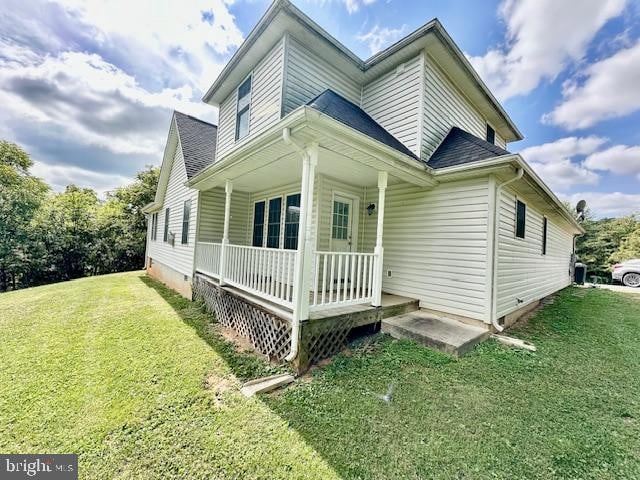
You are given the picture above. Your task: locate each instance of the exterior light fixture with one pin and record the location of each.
(370, 208)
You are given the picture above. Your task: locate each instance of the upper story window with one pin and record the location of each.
(491, 134)
(521, 218)
(242, 115)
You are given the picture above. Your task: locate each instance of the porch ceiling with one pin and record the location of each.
(270, 162)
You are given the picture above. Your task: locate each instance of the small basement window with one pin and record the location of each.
(242, 115)
(521, 218)
(491, 134)
(544, 235)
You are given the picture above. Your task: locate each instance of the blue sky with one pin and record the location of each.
(88, 86)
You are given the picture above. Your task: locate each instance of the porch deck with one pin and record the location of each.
(269, 327)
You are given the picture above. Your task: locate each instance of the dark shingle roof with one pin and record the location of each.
(348, 113)
(198, 140)
(460, 147)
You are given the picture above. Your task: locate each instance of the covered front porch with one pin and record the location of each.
(296, 223)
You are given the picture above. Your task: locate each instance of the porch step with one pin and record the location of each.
(446, 335)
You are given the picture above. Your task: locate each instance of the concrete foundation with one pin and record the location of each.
(177, 281)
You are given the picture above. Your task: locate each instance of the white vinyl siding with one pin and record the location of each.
(308, 75)
(179, 257)
(446, 107)
(435, 244)
(212, 216)
(266, 101)
(266, 90)
(393, 101)
(226, 124)
(524, 273)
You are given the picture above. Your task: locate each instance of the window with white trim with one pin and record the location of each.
(165, 237)
(257, 239)
(521, 218)
(545, 228)
(273, 222)
(154, 226)
(242, 110)
(186, 214)
(292, 221)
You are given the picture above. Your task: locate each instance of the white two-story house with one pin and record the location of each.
(333, 185)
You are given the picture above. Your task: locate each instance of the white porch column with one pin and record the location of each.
(304, 260)
(228, 188)
(379, 250)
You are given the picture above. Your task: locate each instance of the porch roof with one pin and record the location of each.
(266, 160)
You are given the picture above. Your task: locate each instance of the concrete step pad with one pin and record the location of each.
(449, 336)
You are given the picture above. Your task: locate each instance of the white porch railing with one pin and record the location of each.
(266, 272)
(208, 258)
(338, 278)
(342, 279)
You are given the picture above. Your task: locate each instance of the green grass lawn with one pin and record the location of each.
(137, 381)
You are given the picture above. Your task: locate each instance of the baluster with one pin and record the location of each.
(324, 276)
(333, 264)
(315, 280)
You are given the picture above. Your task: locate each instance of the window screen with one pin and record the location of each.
(258, 224)
(491, 134)
(242, 115)
(292, 221)
(273, 225)
(521, 216)
(186, 213)
(544, 235)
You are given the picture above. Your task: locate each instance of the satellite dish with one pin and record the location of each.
(582, 204)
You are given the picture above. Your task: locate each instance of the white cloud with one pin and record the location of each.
(542, 38)
(610, 90)
(378, 38)
(92, 101)
(619, 159)
(554, 162)
(59, 176)
(186, 35)
(354, 5)
(607, 204)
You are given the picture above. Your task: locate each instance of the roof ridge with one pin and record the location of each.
(195, 118)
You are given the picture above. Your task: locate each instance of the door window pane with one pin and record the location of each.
(340, 230)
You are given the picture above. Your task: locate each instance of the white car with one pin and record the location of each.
(627, 272)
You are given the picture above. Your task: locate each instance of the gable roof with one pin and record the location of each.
(350, 114)
(282, 17)
(198, 141)
(460, 147)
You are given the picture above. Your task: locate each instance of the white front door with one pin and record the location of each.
(342, 224)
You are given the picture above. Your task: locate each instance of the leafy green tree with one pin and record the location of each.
(629, 248)
(123, 226)
(21, 194)
(603, 238)
(64, 231)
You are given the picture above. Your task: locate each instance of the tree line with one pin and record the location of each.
(48, 237)
(608, 241)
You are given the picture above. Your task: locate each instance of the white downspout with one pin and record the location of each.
(496, 238)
